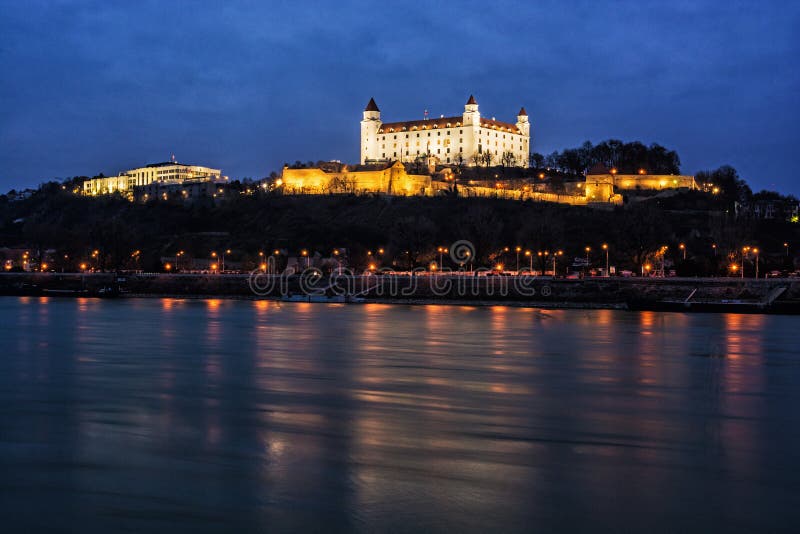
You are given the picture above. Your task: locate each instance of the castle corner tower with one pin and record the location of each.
(370, 125)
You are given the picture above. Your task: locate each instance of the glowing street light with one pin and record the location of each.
(605, 247)
(683, 249)
(755, 251)
(518, 250)
(441, 251)
(745, 250)
(786, 246)
(530, 255)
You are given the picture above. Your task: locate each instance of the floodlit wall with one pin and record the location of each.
(393, 181)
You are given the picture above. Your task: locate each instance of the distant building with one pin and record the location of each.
(603, 183)
(166, 172)
(461, 139)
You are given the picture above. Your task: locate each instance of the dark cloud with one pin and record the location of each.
(103, 86)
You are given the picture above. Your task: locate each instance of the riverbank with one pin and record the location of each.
(775, 295)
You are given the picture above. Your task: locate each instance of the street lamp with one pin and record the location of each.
(528, 253)
(605, 247)
(338, 260)
(518, 250)
(441, 250)
(683, 249)
(227, 251)
(304, 253)
(755, 251)
(714, 246)
(587, 249)
(744, 251)
(786, 246)
(177, 257)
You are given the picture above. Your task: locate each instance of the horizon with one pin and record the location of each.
(247, 89)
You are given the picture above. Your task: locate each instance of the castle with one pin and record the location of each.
(467, 139)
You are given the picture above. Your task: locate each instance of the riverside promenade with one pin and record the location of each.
(772, 294)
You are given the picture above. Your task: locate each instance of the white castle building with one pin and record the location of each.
(468, 138)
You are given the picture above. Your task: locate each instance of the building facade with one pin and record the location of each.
(167, 172)
(467, 139)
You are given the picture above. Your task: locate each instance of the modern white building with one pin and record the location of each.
(466, 139)
(166, 172)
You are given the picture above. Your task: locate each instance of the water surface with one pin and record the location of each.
(215, 415)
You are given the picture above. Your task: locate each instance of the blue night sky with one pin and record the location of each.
(91, 87)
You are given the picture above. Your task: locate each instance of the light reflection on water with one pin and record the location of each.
(231, 415)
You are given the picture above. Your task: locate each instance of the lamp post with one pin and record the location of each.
(786, 246)
(528, 253)
(586, 268)
(304, 253)
(518, 250)
(213, 264)
(177, 257)
(555, 254)
(755, 251)
(683, 249)
(714, 246)
(338, 260)
(605, 247)
(440, 250)
(744, 251)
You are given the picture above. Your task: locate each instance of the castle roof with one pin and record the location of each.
(472, 101)
(522, 112)
(444, 122)
(372, 106)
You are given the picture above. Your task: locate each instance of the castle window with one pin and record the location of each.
(429, 134)
(395, 137)
(383, 155)
(406, 136)
(395, 154)
(448, 160)
(438, 150)
(417, 135)
(448, 150)
(460, 139)
(448, 132)
(461, 149)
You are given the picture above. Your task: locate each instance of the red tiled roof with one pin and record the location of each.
(418, 125)
(454, 122)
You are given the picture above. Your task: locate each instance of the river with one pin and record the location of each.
(226, 415)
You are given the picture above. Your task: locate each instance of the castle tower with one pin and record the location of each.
(522, 122)
(472, 124)
(370, 125)
(471, 114)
